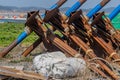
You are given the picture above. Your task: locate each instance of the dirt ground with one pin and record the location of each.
(14, 58)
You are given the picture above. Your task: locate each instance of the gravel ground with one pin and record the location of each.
(14, 59)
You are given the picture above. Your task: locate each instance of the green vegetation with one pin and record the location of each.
(10, 31)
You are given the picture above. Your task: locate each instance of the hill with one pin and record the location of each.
(19, 9)
(25, 9)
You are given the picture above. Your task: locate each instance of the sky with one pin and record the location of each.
(48, 3)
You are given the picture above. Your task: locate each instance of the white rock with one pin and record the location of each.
(56, 65)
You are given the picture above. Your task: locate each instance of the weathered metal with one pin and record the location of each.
(77, 40)
(40, 30)
(68, 12)
(92, 54)
(105, 30)
(97, 39)
(89, 52)
(104, 26)
(52, 38)
(56, 41)
(115, 34)
(32, 47)
(108, 48)
(20, 74)
(25, 33)
(77, 30)
(15, 43)
(91, 33)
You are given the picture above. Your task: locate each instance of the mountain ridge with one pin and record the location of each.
(24, 9)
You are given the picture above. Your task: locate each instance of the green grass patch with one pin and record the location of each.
(10, 31)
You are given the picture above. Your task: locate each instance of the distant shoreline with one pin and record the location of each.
(19, 20)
